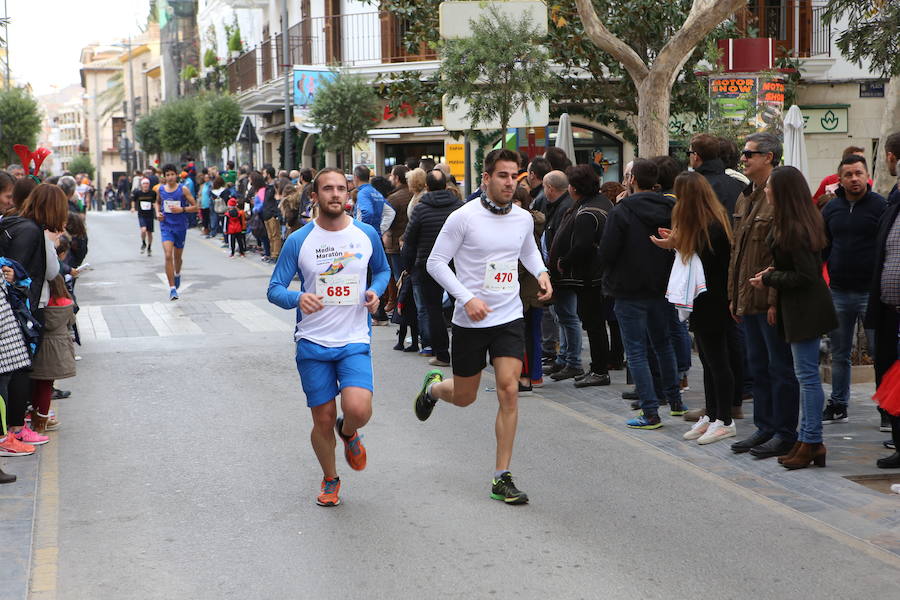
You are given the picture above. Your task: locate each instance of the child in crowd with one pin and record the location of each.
(56, 358)
(236, 225)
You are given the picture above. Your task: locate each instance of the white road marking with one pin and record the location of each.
(91, 324)
(251, 316)
(165, 283)
(168, 319)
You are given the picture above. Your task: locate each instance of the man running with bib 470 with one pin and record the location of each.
(486, 239)
(172, 205)
(332, 256)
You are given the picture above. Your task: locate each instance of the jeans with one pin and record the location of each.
(812, 398)
(776, 393)
(638, 319)
(396, 263)
(434, 305)
(566, 308)
(214, 221)
(744, 382)
(849, 307)
(421, 309)
(681, 341)
(549, 333)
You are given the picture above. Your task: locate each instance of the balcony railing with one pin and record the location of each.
(821, 34)
(344, 40)
(796, 26)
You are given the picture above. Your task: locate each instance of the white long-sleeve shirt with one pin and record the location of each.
(486, 249)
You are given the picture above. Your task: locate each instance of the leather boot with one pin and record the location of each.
(892, 461)
(790, 454)
(806, 454)
(38, 422)
(6, 477)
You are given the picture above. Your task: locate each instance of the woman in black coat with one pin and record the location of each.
(805, 310)
(700, 226)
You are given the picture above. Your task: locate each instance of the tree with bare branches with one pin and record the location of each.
(654, 81)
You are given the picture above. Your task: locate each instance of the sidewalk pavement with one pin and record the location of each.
(869, 512)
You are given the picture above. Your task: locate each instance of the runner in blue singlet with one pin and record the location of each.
(172, 206)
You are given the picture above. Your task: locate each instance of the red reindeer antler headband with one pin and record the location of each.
(27, 156)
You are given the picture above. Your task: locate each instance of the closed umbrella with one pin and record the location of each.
(795, 142)
(564, 137)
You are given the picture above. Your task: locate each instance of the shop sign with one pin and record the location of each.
(758, 99)
(364, 154)
(826, 119)
(455, 155)
(871, 89)
(307, 83)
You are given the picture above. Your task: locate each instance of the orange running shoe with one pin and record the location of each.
(354, 451)
(13, 447)
(329, 495)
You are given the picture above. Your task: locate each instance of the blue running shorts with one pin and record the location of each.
(176, 236)
(324, 372)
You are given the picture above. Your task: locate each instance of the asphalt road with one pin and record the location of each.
(184, 471)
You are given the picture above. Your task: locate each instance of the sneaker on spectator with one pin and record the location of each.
(426, 351)
(834, 414)
(27, 436)
(10, 446)
(697, 429)
(885, 422)
(718, 431)
(537, 383)
(644, 422)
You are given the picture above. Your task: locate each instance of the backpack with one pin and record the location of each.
(219, 205)
(233, 213)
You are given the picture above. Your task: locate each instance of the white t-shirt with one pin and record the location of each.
(334, 264)
(486, 249)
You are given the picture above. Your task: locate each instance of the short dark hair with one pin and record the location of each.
(315, 181)
(306, 174)
(229, 165)
(412, 162)
(362, 172)
(257, 180)
(427, 164)
(524, 198)
(558, 159)
(852, 159)
(729, 153)
(705, 146)
(435, 180)
(270, 171)
(494, 156)
(892, 144)
(668, 168)
(400, 171)
(540, 166)
(583, 179)
(382, 185)
(645, 173)
(169, 167)
(8, 181)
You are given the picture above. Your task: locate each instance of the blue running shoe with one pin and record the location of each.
(177, 281)
(644, 422)
(173, 294)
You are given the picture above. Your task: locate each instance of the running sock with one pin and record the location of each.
(428, 391)
(177, 274)
(499, 474)
(172, 288)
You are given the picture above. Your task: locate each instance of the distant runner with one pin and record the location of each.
(143, 201)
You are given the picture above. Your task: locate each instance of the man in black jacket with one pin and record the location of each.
(703, 157)
(576, 266)
(424, 225)
(557, 203)
(851, 224)
(537, 169)
(636, 275)
(883, 311)
(271, 216)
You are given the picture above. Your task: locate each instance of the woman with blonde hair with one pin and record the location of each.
(700, 227)
(415, 179)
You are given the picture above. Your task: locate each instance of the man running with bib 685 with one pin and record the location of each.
(486, 239)
(332, 255)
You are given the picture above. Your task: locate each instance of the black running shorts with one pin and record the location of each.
(471, 345)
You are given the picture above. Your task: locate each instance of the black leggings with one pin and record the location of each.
(593, 320)
(19, 395)
(718, 376)
(241, 239)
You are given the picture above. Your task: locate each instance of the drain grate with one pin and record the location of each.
(878, 482)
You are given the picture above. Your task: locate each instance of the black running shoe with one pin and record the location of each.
(505, 490)
(834, 414)
(424, 404)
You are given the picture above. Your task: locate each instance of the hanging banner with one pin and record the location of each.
(754, 98)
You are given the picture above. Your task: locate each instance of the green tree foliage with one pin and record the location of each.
(345, 108)
(871, 32)
(218, 121)
(20, 122)
(146, 130)
(81, 163)
(498, 70)
(178, 126)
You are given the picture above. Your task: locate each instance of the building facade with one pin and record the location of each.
(104, 113)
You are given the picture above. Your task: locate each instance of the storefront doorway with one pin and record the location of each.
(593, 145)
(396, 154)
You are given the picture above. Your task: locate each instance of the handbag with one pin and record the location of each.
(15, 354)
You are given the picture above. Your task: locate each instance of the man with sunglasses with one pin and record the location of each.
(776, 394)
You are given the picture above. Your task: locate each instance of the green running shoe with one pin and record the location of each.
(505, 490)
(424, 404)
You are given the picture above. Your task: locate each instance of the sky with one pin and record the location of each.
(46, 36)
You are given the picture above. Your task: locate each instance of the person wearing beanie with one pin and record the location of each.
(235, 225)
